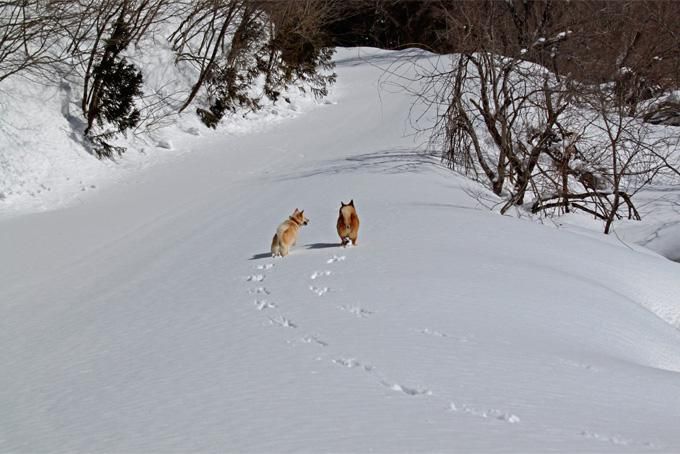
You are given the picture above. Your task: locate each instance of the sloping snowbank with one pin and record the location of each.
(660, 228)
(46, 164)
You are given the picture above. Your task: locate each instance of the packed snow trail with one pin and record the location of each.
(151, 318)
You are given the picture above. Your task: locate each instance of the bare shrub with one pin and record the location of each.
(233, 43)
(28, 36)
(570, 140)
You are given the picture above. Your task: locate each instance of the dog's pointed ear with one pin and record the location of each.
(302, 212)
(342, 204)
(351, 202)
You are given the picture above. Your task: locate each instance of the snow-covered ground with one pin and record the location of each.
(147, 315)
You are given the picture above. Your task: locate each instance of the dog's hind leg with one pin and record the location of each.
(276, 248)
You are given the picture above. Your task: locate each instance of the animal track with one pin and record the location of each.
(615, 440)
(406, 390)
(314, 340)
(430, 332)
(620, 441)
(352, 363)
(259, 290)
(319, 290)
(486, 414)
(335, 258)
(317, 274)
(356, 310)
(266, 266)
(282, 321)
(435, 333)
(579, 365)
(263, 304)
(255, 278)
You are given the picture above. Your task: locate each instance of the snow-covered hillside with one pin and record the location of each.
(148, 315)
(46, 163)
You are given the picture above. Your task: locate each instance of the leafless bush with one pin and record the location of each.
(231, 43)
(27, 37)
(297, 49)
(572, 141)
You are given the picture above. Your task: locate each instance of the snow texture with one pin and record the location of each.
(145, 314)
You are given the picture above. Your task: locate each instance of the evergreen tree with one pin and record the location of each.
(110, 98)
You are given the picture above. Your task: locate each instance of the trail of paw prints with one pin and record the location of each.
(259, 277)
(314, 340)
(613, 439)
(619, 440)
(579, 365)
(409, 391)
(318, 274)
(336, 258)
(258, 291)
(441, 334)
(353, 363)
(320, 291)
(309, 339)
(492, 413)
(262, 304)
(357, 311)
(431, 332)
(282, 321)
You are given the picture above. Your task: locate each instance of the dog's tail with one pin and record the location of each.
(275, 246)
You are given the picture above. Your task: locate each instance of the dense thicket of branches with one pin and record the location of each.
(235, 46)
(549, 99)
(24, 38)
(604, 34)
(390, 24)
(280, 41)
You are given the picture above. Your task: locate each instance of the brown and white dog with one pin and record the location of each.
(348, 223)
(287, 232)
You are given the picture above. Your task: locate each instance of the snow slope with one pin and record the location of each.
(149, 317)
(44, 161)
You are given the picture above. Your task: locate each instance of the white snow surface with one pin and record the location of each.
(148, 316)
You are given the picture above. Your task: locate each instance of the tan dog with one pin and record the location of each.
(348, 223)
(286, 234)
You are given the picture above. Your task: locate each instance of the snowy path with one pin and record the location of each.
(150, 317)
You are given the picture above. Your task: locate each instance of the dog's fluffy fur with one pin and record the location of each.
(286, 234)
(348, 223)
